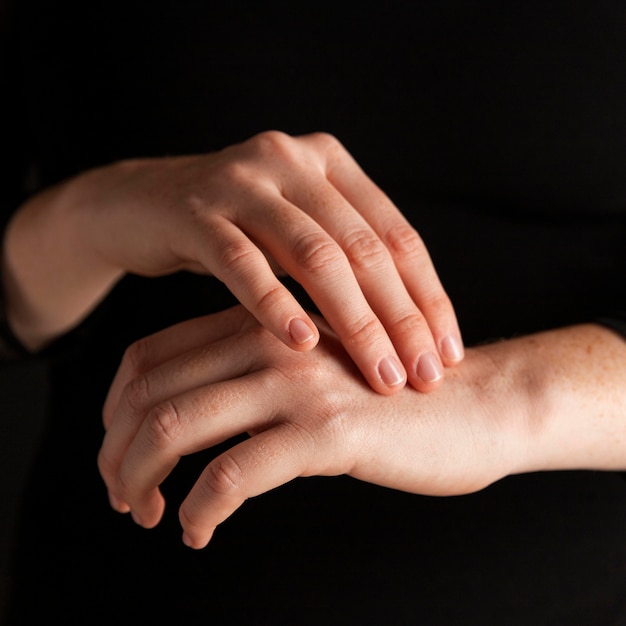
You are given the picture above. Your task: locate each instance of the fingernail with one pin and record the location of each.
(136, 518)
(300, 331)
(451, 348)
(429, 368)
(390, 371)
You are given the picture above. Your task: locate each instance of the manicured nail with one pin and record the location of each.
(300, 331)
(390, 371)
(429, 368)
(452, 348)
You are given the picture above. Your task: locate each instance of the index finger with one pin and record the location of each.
(255, 466)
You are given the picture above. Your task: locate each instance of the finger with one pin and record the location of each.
(407, 249)
(147, 399)
(195, 420)
(311, 256)
(149, 352)
(264, 462)
(244, 268)
(381, 285)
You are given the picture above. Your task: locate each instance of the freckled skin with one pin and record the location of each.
(541, 402)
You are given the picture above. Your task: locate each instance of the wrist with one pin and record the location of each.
(569, 388)
(51, 273)
(510, 389)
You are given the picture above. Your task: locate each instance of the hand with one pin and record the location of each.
(204, 381)
(300, 204)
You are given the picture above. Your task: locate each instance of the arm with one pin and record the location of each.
(553, 400)
(301, 204)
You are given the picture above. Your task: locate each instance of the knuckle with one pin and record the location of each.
(438, 304)
(327, 140)
(235, 172)
(164, 425)
(137, 393)
(404, 241)
(234, 254)
(271, 300)
(225, 476)
(138, 355)
(363, 332)
(410, 325)
(317, 253)
(272, 143)
(365, 250)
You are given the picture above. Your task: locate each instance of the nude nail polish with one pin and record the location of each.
(428, 368)
(451, 348)
(390, 371)
(300, 331)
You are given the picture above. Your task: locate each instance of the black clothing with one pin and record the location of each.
(500, 131)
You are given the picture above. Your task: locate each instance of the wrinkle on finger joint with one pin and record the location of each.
(365, 250)
(317, 253)
(225, 475)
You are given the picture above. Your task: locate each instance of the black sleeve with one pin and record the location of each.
(10, 346)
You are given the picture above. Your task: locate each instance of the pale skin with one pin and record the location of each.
(554, 400)
(273, 203)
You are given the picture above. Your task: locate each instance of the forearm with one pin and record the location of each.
(52, 275)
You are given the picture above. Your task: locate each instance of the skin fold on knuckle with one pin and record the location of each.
(409, 326)
(137, 358)
(437, 305)
(137, 394)
(271, 302)
(236, 255)
(164, 425)
(223, 477)
(363, 332)
(404, 243)
(365, 251)
(317, 254)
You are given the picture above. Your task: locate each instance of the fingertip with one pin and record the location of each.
(147, 511)
(145, 520)
(195, 545)
(118, 504)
